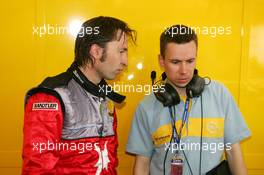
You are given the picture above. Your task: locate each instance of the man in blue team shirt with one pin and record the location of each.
(214, 124)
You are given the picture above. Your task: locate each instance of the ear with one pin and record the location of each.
(96, 52)
(161, 60)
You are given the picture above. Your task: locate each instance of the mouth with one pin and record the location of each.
(183, 80)
(119, 70)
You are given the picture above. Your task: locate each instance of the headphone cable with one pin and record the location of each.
(201, 138)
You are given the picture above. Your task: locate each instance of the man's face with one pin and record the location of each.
(115, 58)
(179, 62)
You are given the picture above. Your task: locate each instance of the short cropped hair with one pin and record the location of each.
(179, 34)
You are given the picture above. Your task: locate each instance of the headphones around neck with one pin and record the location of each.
(169, 95)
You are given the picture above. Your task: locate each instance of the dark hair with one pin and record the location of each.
(99, 30)
(179, 34)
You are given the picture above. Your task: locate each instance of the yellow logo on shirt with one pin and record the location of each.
(212, 128)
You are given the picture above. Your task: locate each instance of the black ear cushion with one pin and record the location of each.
(195, 87)
(173, 94)
(169, 97)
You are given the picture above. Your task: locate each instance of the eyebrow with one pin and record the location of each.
(175, 59)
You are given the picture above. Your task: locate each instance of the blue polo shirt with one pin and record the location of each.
(223, 125)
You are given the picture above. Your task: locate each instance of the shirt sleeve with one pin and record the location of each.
(236, 128)
(42, 127)
(140, 140)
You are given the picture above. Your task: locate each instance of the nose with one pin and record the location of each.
(183, 68)
(124, 60)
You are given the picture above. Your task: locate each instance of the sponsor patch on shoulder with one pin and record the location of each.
(45, 106)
